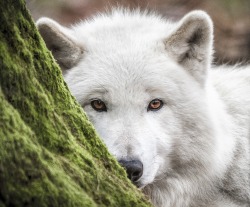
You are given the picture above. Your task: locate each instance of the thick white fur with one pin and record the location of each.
(195, 149)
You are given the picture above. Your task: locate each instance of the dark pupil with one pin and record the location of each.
(155, 103)
(98, 104)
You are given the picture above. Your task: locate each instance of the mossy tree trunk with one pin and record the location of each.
(50, 154)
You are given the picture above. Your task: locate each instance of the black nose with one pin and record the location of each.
(134, 169)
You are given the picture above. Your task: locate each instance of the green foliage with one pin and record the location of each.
(50, 154)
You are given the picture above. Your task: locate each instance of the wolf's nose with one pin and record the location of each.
(134, 169)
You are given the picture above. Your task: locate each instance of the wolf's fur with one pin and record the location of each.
(195, 149)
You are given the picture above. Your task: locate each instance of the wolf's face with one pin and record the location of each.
(142, 90)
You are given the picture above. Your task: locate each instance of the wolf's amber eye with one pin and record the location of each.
(155, 105)
(98, 105)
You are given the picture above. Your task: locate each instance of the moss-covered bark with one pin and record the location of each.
(49, 152)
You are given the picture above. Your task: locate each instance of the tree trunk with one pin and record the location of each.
(50, 154)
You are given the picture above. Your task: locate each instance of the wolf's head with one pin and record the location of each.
(141, 81)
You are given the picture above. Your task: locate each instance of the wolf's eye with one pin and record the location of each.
(98, 105)
(155, 105)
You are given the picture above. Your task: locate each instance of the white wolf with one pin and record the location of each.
(180, 128)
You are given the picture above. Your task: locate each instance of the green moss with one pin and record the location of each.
(50, 154)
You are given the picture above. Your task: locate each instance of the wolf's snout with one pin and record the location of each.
(134, 169)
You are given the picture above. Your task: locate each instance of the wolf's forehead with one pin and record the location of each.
(123, 83)
(135, 70)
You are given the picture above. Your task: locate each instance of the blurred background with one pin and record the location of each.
(231, 18)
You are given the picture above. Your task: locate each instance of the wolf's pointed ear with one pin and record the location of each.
(190, 44)
(60, 42)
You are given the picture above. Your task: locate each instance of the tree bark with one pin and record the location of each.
(50, 154)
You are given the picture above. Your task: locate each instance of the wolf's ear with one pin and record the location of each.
(60, 42)
(190, 44)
